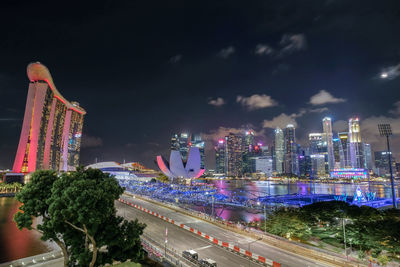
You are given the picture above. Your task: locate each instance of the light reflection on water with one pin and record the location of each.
(16, 244)
(254, 189)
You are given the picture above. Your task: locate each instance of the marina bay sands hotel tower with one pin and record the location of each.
(52, 127)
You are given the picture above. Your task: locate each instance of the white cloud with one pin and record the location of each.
(318, 110)
(284, 119)
(219, 101)
(220, 132)
(292, 42)
(175, 59)
(263, 49)
(226, 52)
(324, 97)
(280, 121)
(256, 101)
(396, 110)
(391, 72)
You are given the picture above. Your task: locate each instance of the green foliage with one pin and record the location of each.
(10, 188)
(79, 214)
(34, 196)
(361, 254)
(383, 259)
(288, 223)
(368, 229)
(162, 178)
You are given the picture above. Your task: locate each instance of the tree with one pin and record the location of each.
(80, 211)
(162, 178)
(34, 197)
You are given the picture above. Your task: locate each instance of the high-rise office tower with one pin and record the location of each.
(338, 153)
(180, 142)
(291, 164)
(318, 165)
(175, 142)
(52, 127)
(265, 151)
(356, 145)
(328, 140)
(382, 163)
(220, 159)
(249, 140)
(344, 148)
(248, 151)
(304, 162)
(263, 164)
(279, 150)
(184, 145)
(234, 154)
(196, 141)
(368, 157)
(315, 140)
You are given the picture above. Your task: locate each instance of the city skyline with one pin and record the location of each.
(264, 72)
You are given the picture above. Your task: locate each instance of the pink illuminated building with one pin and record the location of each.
(52, 127)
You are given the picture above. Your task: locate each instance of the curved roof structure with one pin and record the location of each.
(36, 71)
(105, 164)
(177, 168)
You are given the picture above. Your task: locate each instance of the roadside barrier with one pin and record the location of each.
(214, 240)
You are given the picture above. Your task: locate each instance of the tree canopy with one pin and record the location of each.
(368, 229)
(78, 213)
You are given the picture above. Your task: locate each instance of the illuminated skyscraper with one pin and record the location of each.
(175, 142)
(338, 153)
(291, 164)
(382, 163)
(315, 140)
(344, 150)
(220, 156)
(368, 157)
(196, 141)
(234, 154)
(328, 140)
(184, 145)
(318, 165)
(52, 127)
(279, 150)
(356, 146)
(248, 151)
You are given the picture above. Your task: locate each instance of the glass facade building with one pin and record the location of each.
(279, 150)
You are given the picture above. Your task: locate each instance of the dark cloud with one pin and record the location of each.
(91, 141)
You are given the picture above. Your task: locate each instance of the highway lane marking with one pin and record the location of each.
(201, 248)
(237, 256)
(243, 237)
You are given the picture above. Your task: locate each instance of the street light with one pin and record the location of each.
(344, 220)
(386, 130)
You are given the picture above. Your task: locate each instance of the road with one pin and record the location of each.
(183, 239)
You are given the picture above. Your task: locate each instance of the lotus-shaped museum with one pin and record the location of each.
(176, 168)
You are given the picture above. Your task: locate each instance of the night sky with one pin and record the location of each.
(146, 69)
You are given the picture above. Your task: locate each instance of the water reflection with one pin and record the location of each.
(254, 189)
(16, 244)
